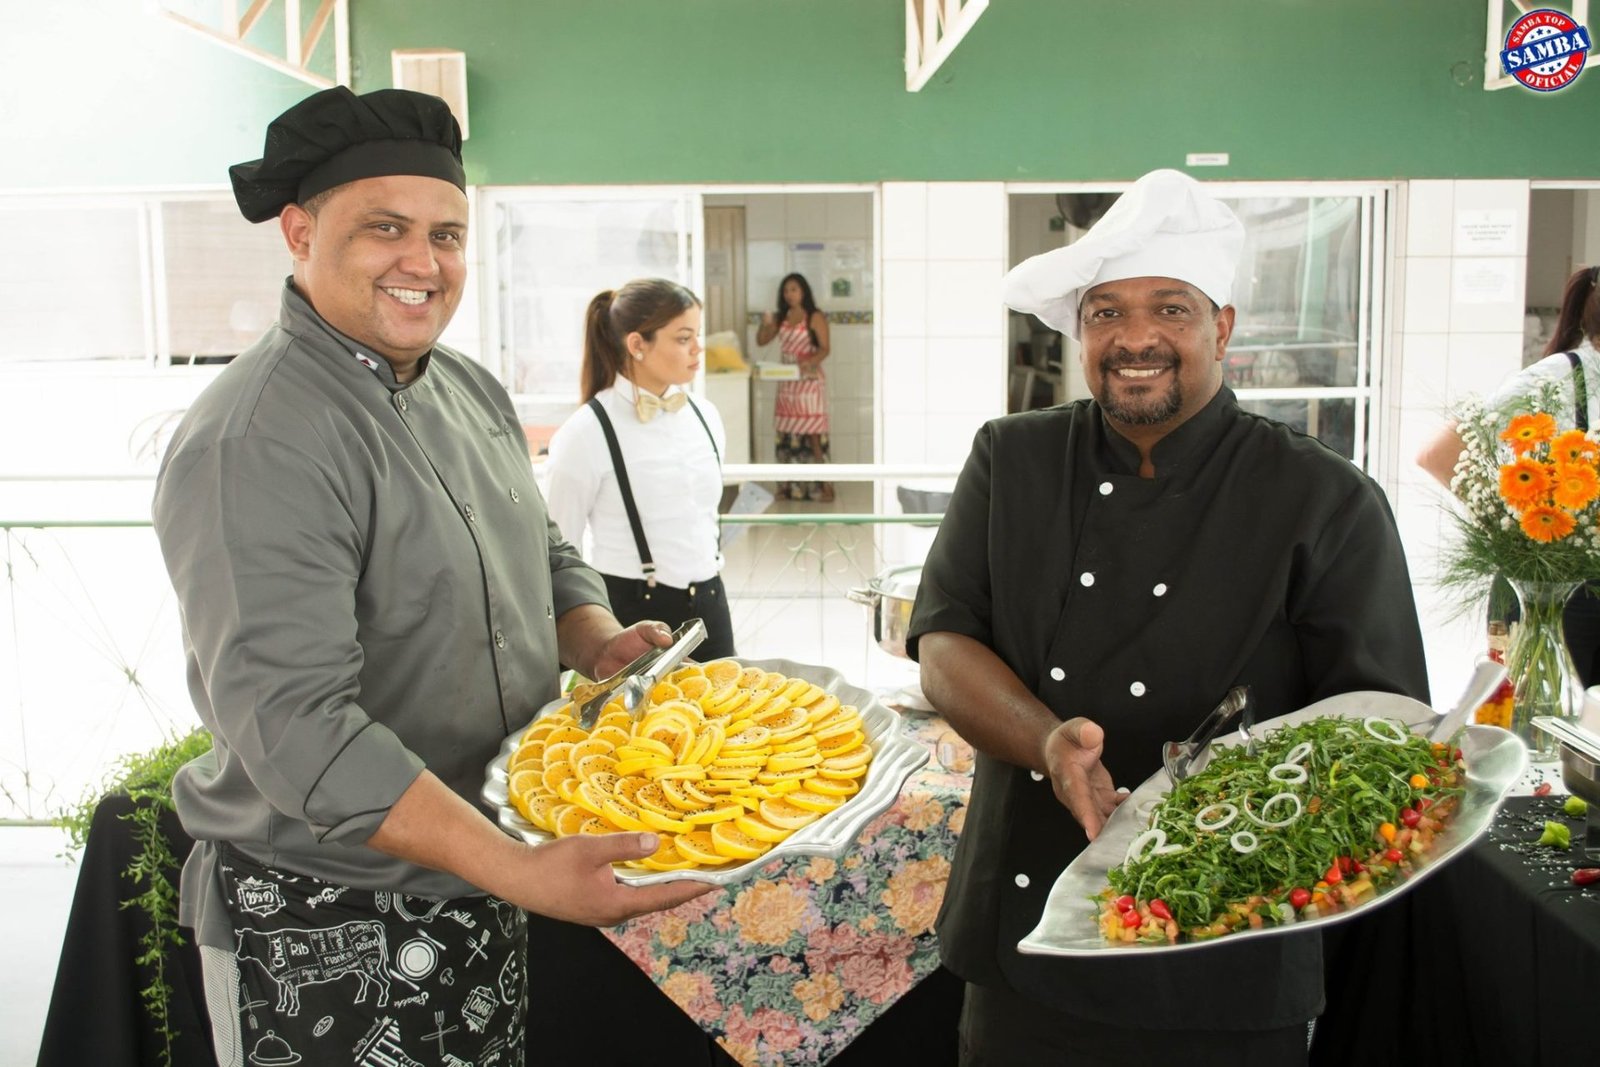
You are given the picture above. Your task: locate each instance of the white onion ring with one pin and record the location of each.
(1200, 822)
(1239, 846)
(1399, 738)
(1288, 773)
(1298, 752)
(1137, 851)
(1262, 820)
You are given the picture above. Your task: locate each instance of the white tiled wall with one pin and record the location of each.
(1448, 345)
(943, 322)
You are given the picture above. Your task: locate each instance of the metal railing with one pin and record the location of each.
(91, 658)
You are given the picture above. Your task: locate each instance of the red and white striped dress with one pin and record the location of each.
(801, 406)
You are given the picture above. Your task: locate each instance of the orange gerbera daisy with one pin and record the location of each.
(1574, 446)
(1576, 484)
(1545, 523)
(1526, 431)
(1524, 483)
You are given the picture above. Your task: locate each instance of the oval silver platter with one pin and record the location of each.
(896, 755)
(1069, 926)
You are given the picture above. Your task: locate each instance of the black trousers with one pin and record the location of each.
(1000, 1028)
(632, 600)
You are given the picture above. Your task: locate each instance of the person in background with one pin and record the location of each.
(1572, 361)
(800, 413)
(1105, 573)
(372, 599)
(638, 466)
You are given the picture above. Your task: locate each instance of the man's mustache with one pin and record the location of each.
(1123, 357)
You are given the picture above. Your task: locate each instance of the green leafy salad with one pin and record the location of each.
(1310, 821)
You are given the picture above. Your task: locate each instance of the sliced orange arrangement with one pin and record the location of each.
(724, 762)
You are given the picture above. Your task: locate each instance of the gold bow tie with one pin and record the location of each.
(647, 404)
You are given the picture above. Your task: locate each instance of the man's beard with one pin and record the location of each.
(1144, 409)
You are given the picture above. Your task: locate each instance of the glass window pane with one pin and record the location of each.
(1331, 420)
(1298, 294)
(78, 293)
(224, 277)
(555, 255)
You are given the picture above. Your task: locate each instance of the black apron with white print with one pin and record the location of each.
(333, 975)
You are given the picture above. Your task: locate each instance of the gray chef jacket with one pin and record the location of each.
(1255, 556)
(369, 585)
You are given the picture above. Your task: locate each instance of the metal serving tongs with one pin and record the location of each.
(1179, 757)
(1486, 678)
(633, 683)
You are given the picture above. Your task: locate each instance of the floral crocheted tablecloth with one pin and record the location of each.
(788, 967)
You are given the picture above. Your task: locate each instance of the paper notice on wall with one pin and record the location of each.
(848, 256)
(1484, 281)
(811, 259)
(1487, 233)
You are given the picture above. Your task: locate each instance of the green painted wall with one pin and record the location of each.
(813, 90)
(100, 93)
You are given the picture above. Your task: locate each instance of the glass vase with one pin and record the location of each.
(1544, 680)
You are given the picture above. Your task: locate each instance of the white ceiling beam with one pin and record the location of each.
(299, 43)
(933, 29)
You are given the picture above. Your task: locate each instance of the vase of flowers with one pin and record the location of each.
(1530, 495)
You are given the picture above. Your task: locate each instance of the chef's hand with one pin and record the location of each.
(627, 645)
(1081, 781)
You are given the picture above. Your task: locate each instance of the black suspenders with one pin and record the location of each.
(626, 488)
(1580, 389)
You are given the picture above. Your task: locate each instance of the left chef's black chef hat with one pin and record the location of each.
(335, 136)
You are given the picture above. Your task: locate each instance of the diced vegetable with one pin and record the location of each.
(1586, 876)
(1556, 835)
(1576, 807)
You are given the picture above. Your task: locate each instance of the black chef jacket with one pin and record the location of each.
(1255, 556)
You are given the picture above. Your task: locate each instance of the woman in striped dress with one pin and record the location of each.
(800, 414)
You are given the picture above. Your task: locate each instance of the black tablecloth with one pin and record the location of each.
(1495, 960)
(97, 1015)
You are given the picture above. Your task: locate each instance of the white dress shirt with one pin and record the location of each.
(676, 482)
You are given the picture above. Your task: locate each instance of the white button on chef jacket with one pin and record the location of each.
(1086, 578)
(1022, 881)
(1137, 689)
(1036, 776)
(1105, 488)
(1160, 589)
(1056, 674)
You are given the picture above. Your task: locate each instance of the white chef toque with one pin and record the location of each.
(1165, 226)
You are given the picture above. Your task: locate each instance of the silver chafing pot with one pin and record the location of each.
(890, 596)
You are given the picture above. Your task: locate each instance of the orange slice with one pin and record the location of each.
(590, 798)
(721, 813)
(759, 829)
(797, 761)
(697, 845)
(555, 774)
(688, 672)
(662, 692)
(622, 813)
(751, 737)
(667, 858)
(820, 709)
(734, 843)
(567, 733)
(785, 815)
(589, 766)
(832, 787)
(852, 760)
(691, 771)
(804, 798)
(594, 824)
(628, 788)
(565, 819)
(722, 672)
(558, 752)
(617, 735)
(842, 743)
(592, 746)
(694, 688)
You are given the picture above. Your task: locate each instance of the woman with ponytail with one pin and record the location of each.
(638, 467)
(1572, 361)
